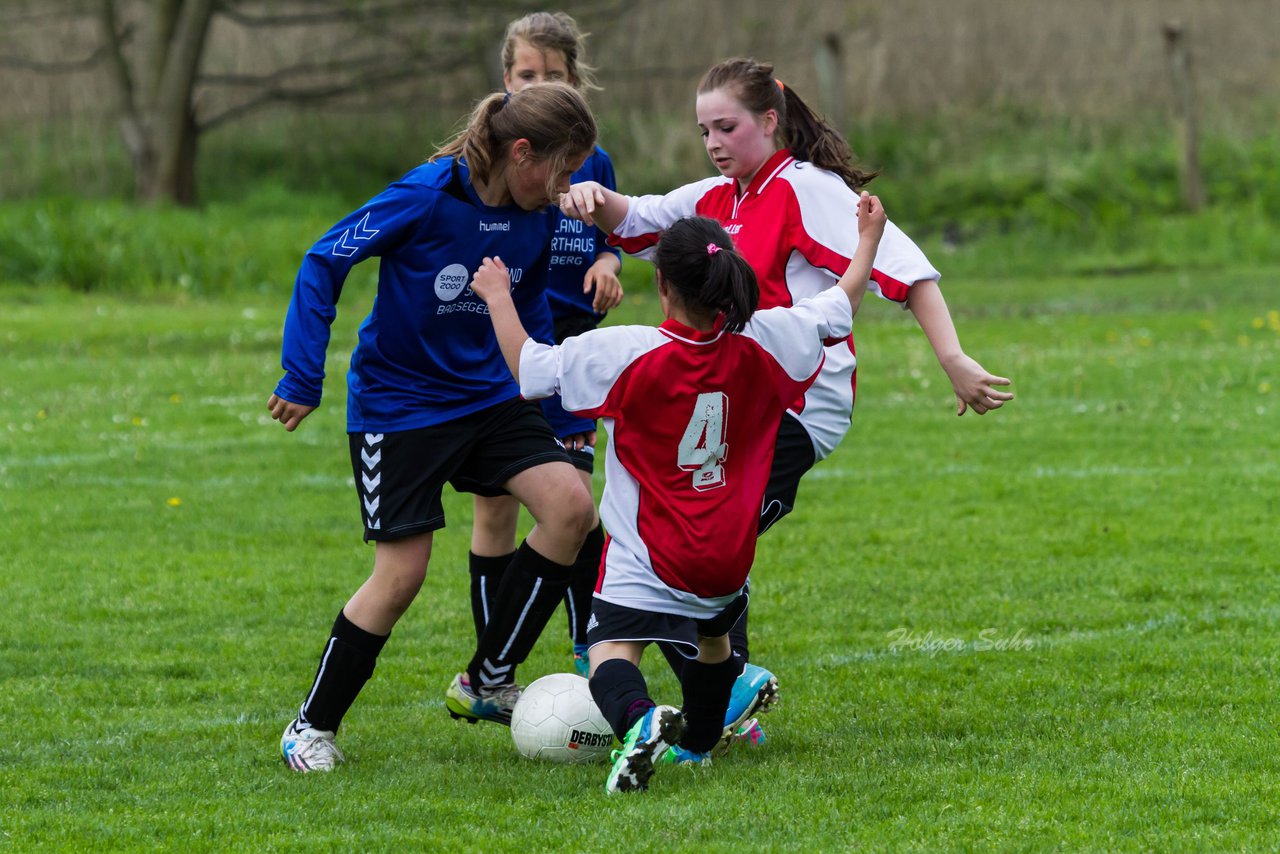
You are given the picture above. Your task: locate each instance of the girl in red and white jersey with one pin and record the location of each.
(787, 185)
(686, 464)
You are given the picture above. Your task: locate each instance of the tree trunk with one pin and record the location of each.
(158, 118)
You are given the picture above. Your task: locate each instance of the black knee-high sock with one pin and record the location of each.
(706, 697)
(674, 658)
(531, 589)
(737, 642)
(738, 637)
(347, 663)
(620, 693)
(486, 578)
(577, 596)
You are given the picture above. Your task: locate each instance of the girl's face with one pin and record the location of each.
(531, 66)
(528, 177)
(738, 141)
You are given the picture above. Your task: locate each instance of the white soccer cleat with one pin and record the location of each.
(309, 749)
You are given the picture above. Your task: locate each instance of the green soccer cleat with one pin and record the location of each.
(646, 742)
(486, 704)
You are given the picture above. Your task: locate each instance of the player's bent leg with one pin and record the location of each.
(399, 568)
(532, 587)
(561, 507)
(493, 545)
(351, 653)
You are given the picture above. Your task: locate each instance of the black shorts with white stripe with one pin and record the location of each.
(612, 622)
(400, 476)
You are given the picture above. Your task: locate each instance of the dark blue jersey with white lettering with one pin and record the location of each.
(427, 353)
(574, 248)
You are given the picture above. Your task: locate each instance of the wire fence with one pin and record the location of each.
(883, 58)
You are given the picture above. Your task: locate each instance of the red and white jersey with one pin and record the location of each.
(692, 418)
(796, 225)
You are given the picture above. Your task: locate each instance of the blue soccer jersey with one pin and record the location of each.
(427, 353)
(574, 248)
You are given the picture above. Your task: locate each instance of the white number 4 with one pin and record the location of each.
(702, 448)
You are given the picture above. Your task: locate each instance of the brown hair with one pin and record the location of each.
(546, 31)
(552, 116)
(803, 131)
(697, 259)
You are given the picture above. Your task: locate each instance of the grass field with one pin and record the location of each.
(1054, 627)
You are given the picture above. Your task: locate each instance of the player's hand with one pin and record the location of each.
(604, 280)
(578, 441)
(975, 387)
(871, 217)
(287, 413)
(582, 200)
(491, 281)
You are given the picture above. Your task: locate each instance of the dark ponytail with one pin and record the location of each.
(808, 136)
(697, 259)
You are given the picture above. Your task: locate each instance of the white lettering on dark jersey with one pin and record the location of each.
(451, 281)
(572, 244)
(495, 226)
(733, 228)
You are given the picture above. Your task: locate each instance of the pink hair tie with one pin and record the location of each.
(712, 248)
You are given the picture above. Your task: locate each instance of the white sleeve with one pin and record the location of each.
(583, 369)
(828, 212)
(539, 366)
(648, 216)
(794, 336)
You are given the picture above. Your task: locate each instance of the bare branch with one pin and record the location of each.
(323, 92)
(65, 66)
(346, 66)
(336, 14)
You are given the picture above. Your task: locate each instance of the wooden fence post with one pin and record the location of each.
(1179, 56)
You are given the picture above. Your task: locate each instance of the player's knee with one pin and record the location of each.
(581, 516)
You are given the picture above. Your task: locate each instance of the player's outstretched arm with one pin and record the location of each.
(973, 384)
(595, 204)
(492, 283)
(871, 220)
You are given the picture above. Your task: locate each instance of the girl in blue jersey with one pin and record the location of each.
(430, 399)
(582, 285)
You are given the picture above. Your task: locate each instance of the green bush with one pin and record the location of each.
(1004, 193)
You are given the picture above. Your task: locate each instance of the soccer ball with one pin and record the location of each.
(555, 719)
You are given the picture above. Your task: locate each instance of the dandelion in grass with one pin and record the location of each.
(1258, 323)
(42, 414)
(1273, 320)
(175, 501)
(175, 398)
(1264, 387)
(1206, 324)
(1242, 340)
